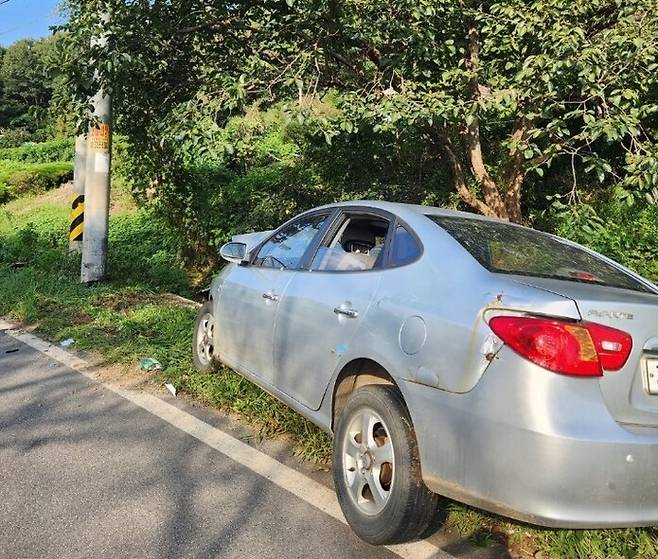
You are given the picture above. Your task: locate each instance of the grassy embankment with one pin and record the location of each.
(34, 168)
(129, 317)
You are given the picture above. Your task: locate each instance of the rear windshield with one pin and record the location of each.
(509, 249)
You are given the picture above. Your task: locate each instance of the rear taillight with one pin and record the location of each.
(569, 348)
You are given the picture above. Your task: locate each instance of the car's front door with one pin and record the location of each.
(324, 306)
(251, 294)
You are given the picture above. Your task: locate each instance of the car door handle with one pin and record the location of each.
(270, 296)
(345, 311)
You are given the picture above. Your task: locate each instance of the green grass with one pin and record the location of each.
(523, 540)
(128, 318)
(601, 544)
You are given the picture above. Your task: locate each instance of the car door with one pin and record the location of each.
(251, 293)
(324, 306)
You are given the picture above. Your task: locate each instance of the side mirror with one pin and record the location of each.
(233, 252)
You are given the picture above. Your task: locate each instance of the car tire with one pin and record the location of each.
(399, 507)
(202, 339)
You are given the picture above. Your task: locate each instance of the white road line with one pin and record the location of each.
(281, 475)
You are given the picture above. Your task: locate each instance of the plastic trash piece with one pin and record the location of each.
(171, 389)
(150, 364)
(68, 342)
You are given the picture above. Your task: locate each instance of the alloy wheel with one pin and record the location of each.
(204, 339)
(368, 462)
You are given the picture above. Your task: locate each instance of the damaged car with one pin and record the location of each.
(449, 354)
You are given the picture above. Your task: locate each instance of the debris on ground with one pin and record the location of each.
(150, 364)
(17, 266)
(171, 389)
(68, 342)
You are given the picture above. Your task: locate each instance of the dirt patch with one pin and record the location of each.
(521, 545)
(174, 299)
(125, 376)
(125, 301)
(61, 195)
(80, 318)
(121, 202)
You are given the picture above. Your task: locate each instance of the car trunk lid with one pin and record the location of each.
(631, 393)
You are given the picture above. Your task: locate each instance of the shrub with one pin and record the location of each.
(46, 152)
(12, 137)
(37, 177)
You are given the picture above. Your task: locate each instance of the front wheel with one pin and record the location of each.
(377, 470)
(203, 344)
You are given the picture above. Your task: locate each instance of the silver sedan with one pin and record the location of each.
(449, 354)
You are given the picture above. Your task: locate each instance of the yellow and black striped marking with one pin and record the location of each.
(77, 218)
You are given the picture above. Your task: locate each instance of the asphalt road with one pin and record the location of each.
(86, 473)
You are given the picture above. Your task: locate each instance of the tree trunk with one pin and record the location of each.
(459, 177)
(499, 200)
(471, 133)
(515, 171)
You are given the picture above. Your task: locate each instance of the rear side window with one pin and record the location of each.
(405, 248)
(511, 249)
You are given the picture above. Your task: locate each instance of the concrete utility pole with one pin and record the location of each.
(97, 182)
(78, 206)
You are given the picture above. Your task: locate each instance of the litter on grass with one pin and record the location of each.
(171, 389)
(68, 342)
(150, 364)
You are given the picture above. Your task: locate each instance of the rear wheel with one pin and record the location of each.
(203, 345)
(377, 469)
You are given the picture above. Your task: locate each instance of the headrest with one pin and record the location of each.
(358, 236)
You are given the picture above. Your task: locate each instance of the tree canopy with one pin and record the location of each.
(508, 98)
(25, 83)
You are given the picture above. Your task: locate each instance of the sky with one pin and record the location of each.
(23, 19)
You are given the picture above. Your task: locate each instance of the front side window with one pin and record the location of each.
(510, 249)
(357, 245)
(286, 248)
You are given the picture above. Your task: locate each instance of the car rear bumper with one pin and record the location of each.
(538, 447)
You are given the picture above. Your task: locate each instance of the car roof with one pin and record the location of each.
(401, 209)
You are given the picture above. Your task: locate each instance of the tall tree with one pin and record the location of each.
(26, 83)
